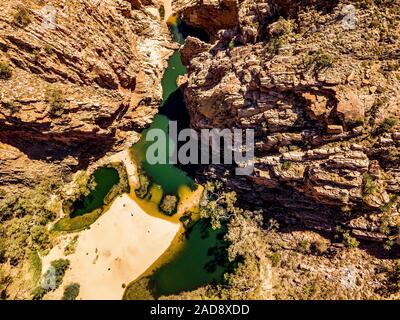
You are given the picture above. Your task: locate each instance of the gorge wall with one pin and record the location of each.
(78, 80)
(319, 83)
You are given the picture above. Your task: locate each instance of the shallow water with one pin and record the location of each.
(200, 261)
(105, 178)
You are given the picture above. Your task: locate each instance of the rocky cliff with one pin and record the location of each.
(77, 79)
(320, 85)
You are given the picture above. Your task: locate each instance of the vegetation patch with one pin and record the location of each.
(35, 266)
(161, 11)
(319, 61)
(287, 165)
(370, 185)
(22, 17)
(385, 126)
(71, 246)
(57, 102)
(71, 291)
(169, 204)
(52, 279)
(5, 70)
(85, 190)
(144, 186)
(78, 223)
(346, 238)
(281, 30)
(24, 218)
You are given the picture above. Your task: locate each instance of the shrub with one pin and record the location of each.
(22, 17)
(319, 247)
(370, 187)
(38, 293)
(283, 27)
(350, 241)
(275, 44)
(71, 246)
(36, 55)
(232, 44)
(71, 291)
(48, 49)
(347, 239)
(144, 183)
(11, 107)
(287, 165)
(60, 266)
(275, 259)
(169, 204)
(161, 11)
(57, 101)
(323, 60)
(304, 246)
(281, 30)
(319, 61)
(5, 70)
(385, 126)
(40, 237)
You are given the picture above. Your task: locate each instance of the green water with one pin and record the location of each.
(169, 177)
(105, 178)
(202, 260)
(175, 69)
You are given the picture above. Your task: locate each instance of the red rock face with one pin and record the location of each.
(210, 15)
(350, 108)
(81, 89)
(312, 99)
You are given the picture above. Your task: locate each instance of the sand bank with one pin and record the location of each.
(116, 249)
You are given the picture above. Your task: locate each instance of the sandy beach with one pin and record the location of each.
(116, 249)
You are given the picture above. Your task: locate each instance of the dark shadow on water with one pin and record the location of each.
(105, 179)
(182, 30)
(188, 30)
(175, 110)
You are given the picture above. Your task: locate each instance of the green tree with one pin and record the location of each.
(217, 204)
(71, 291)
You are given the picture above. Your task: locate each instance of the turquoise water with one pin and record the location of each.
(105, 178)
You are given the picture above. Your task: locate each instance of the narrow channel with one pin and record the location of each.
(197, 257)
